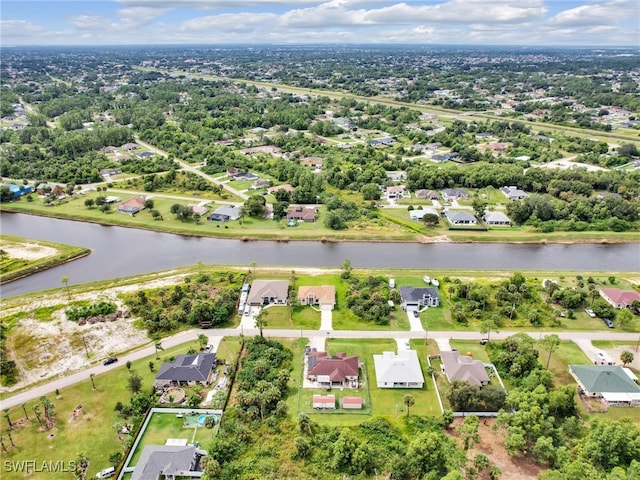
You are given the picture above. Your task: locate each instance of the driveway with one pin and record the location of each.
(416, 324)
(248, 322)
(326, 319)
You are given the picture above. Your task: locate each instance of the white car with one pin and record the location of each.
(106, 473)
(590, 312)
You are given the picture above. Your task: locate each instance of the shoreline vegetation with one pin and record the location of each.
(22, 257)
(510, 236)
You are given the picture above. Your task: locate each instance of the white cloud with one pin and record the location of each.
(89, 22)
(136, 17)
(228, 22)
(615, 11)
(19, 28)
(212, 4)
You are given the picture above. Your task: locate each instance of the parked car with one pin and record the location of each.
(416, 314)
(106, 473)
(208, 349)
(110, 360)
(484, 341)
(608, 322)
(590, 312)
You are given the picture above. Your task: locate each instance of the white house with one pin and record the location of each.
(398, 371)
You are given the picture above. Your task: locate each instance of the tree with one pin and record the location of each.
(9, 436)
(128, 365)
(255, 206)
(261, 321)
(36, 411)
(468, 430)
(304, 423)
(93, 383)
(479, 206)
(409, 401)
(65, 280)
(447, 418)
(550, 343)
(346, 269)
(152, 366)
(134, 383)
(157, 345)
(8, 418)
(487, 326)
(626, 357)
(89, 202)
(203, 340)
(430, 219)
(24, 409)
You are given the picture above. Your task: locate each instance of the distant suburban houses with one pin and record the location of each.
(620, 298)
(451, 194)
(268, 292)
(401, 370)
(460, 217)
(301, 214)
(186, 370)
(496, 219)
(224, 214)
(396, 191)
(428, 194)
(513, 193)
(417, 214)
(131, 206)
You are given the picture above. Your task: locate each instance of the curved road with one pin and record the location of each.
(583, 339)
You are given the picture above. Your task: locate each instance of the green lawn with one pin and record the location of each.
(465, 346)
(92, 431)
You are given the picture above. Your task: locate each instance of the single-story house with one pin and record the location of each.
(396, 191)
(145, 154)
(484, 135)
(450, 194)
(312, 162)
(513, 193)
(460, 217)
(619, 298)
(127, 147)
(198, 209)
(111, 199)
(439, 157)
(19, 190)
(352, 403)
(167, 462)
(397, 176)
(261, 183)
(417, 214)
(268, 292)
(301, 214)
(609, 382)
(398, 371)
(107, 172)
(418, 297)
(49, 189)
(324, 295)
(224, 214)
(186, 370)
(384, 141)
(430, 194)
(131, 206)
(341, 370)
(463, 367)
(245, 176)
(496, 219)
(110, 149)
(326, 402)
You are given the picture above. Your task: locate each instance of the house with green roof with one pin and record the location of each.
(614, 384)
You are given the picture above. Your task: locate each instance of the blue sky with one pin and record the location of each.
(502, 22)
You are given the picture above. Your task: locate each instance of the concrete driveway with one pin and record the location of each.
(416, 324)
(326, 319)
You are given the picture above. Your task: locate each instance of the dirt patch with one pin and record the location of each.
(436, 239)
(492, 445)
(615, 352)
(28, 251)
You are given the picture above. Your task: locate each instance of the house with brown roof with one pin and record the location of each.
(268, 149)
(128, 147)
(301, 214)
(396, 191)
(268, 292)
(619, 298)
(324, 295)
(464, 368)
(430, 194)
(340, 370)
(131, 206)
(312, 162)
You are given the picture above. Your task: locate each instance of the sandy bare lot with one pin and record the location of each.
(27, 251)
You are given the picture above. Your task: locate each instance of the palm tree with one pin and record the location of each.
(8, 432)
(8, 418)
(4, 448)
(93, 383)
(409, 401)
(261, 321)
(24, 409)
(304, 423)
(36, 410)
(158, 346)
(65, 280)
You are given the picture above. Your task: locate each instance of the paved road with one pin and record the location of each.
(317, 338)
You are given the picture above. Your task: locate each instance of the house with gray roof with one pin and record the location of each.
(268, 292)
(450, 194)
(496, 219)
(513, 193)
(418, 297)
(224, 214)
(464, 368)
(186, 370)
(398, 371)
(167, 462)
(609, 382)
(460, 217)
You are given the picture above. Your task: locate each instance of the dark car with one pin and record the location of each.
(110, 360)
(416, 314)
(484, 341)
(608, 322)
